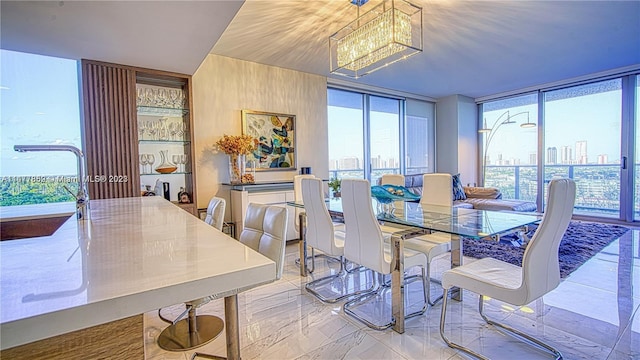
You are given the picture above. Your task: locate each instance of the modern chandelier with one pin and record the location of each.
(391, 31)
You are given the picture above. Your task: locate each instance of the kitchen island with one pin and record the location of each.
(134, 255)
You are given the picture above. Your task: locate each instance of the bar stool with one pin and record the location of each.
(195, 330)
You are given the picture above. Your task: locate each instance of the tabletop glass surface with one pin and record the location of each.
(470, 223)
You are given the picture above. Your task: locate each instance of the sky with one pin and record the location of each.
(39, 104)
(591, 117)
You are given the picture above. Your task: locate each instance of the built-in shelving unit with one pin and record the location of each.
(164, 136)
(129, 112)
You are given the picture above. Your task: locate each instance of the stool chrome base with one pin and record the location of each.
(191, 332)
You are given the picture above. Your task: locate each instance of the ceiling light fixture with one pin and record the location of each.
(389, 32)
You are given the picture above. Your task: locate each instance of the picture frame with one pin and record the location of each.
(274, 138)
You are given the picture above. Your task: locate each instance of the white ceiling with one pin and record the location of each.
(473, 48)
(166, 35)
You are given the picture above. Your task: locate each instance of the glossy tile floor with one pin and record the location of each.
(593, 314)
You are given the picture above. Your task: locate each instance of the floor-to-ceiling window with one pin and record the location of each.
(40, 106)
(582, 137)
(510, 139)
(420, 133)
(346, 134)
(636, 187)
(583, 123)
(384, 136)
(372, 135)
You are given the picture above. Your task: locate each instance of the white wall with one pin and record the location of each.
(456, 137)
(447, 135)
(223, 86)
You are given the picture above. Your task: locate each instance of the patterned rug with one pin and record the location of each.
(580, 242)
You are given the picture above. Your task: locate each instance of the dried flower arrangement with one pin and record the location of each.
(235, 144)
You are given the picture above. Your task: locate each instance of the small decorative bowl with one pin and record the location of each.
(389, 193)
(167, 170)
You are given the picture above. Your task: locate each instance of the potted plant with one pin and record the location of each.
(334, 184)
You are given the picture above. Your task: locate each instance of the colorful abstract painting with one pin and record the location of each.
(273, 137)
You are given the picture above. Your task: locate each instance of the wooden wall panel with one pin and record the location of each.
(117, 340)
(110, 130)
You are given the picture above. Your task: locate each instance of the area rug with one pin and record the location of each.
(580, 242)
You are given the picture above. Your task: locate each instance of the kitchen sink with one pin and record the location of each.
(28, 228)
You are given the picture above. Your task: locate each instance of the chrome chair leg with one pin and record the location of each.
(380, 288)
(517, 333)
(428, 286)
(451, 344)
(313, 257)
(310, 287)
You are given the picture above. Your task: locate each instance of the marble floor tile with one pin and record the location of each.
(357, 345)
(593, 314)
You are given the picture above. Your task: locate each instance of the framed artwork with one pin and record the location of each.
(274, 139)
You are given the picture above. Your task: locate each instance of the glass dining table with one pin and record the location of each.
(416, 219)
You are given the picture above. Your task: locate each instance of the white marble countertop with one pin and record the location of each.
(134, 255)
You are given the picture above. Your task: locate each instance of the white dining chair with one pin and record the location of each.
(392, 179)
(437, 189)
(297, 194)
(437, 193)
(398, 180)
(215, 212)
(515, 285)
(265, 231)
(322, 235)
(365, 245)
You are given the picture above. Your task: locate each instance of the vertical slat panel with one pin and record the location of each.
(108, 118)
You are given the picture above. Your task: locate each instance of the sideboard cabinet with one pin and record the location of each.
(273, 193)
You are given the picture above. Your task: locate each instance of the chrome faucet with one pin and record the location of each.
(82, 197)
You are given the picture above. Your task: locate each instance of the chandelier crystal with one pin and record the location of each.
(389, 32)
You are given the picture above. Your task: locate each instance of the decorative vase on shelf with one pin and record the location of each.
(238, 170)
(165, 166)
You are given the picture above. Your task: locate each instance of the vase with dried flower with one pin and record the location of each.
(237, 147)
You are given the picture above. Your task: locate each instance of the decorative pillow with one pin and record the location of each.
(458, 191)
(482, 193)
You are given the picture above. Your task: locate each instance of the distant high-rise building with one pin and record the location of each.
(533, 159)
(581, 152)
(392, 163)
(552, 155)
(333, 164)
(603, 159)
(566, 155)
(376, 162)
(350, 163)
